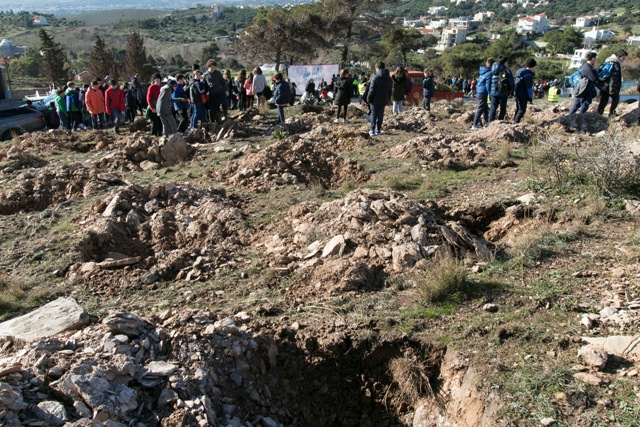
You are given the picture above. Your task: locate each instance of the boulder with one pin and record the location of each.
(128, 324)
(52, 318)
(626, 346)
(51, 412)
(594, 356)
(335, 246)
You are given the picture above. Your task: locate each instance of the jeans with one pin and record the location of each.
(521, 108)
(377, 115)
(281, 113)
(498, 101)
(156, 124)
(183, 116)
(64, 120)
(340, 107)
(482, 110)
(426, 103)
(98, 121)
(214, 105)
(75, 120)
(197, 114)
(604, 100)
(397, 107)
(117, 118)
(580, 104)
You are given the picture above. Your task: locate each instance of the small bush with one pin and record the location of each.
(615, 170)
(445, 276)
(280, 134)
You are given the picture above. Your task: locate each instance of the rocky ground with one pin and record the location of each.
(254, 274)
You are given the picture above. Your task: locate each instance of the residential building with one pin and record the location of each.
(594, 35)
(436, 10)
(452, 36)
(437, 23)
(461, 22)
(481, 16)
(587, 21)
(40, 21)
(579, 57)
(533, 24)
(8, 50)
(508, 5)
(633, 41)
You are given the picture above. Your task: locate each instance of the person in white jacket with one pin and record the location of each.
(259, 84)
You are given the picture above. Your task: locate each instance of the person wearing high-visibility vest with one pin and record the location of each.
(554, 94)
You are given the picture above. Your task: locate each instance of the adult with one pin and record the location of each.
(115, 103)
(398, 89)
(428, 89)
(378, 97)
(585, 90)
(523, 90)
(259, 85)
(610, 87)
(137, 89)
(180, 104)
(163, 107)
(343, 95)
(152, 99)
(241, 90)
(218, 90)
(61, 108)
(483, 88)
(199, 99)
(130, 103)
(74, 108)
(94, 101)
(281, 95)
(501, 85)
(232, 94)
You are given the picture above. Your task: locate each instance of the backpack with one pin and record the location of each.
(503, 83)
(574, 79)
(604, 72)
(267, 92)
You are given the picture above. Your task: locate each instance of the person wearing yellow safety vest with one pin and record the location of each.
(362, 87)
(554, 94)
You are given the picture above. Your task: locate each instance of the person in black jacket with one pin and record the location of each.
(343, 94)
(281, 95)
(610, 88)
(428, 89)
(502, 84)
(523, 91)
(582, 100)
(218, 90)
(378, 97)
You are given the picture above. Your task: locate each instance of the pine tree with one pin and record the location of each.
(52, 64)
(101, 60)
(135, 56)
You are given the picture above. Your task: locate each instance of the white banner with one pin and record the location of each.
(301, 74)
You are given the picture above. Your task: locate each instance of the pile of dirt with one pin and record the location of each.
(159, 232)
(16, 158)
(351, 244)
(588, 122)
(442, 150)
(339, 137)
(145, 152)
(292, 161)
(36, 192)
(81, 142)
(500, 131)
(410, 120)
(193, 368)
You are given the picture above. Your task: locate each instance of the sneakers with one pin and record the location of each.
(378, 132)
(371, 133)
(336, 121)
(474, 127)
(345, 121)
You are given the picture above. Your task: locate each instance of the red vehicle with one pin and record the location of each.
(415, 97)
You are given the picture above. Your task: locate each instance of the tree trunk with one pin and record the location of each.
(345, 49)
(278, 55)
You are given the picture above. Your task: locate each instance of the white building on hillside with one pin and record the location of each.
(594, 35)
(8, 50)
(579, 57)
(533, 24)
(452, 36)
(462, 22)
(633, 41)
(435, 10)
(587, 21)
(40, 21)
(481, 16)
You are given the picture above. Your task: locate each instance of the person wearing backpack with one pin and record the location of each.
(501, 85)
(483, 88)
(523, 91)
(585, 90)
(611, 83)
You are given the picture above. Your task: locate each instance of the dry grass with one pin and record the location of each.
(445, 275)
(17, 297)
(411, 376)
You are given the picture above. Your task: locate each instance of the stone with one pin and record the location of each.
(167, 397)
(527, 199)
(147, 165)
(587, 378)
(112, 399)
(491, 308)
(626, 346)
(127, 323)
(313, 249)
(173, 151)
(133, 219)
(112, 207)
(81, 409)
(547, 421)
(594, 356)
(159, 369)
(335, 246)
(405, 256)
(268, 422)
(10, 398)
(51, 412)
(57, 316)
(419, 235)
(587, 322)
(608, 312)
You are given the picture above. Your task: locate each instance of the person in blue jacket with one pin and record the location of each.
(523, 91)
(501, 86)
(180, 104)
(582, 100)
(281, 95)
(428, 89)
(378, 97)
(483, 87)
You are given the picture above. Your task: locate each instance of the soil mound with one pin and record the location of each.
(439, 149)
(410, 120)
(500, 131)
(16, 158)
(81, 142)
(588, 122)
(292, 161)
(36, 192)
(339, 137)
(353, 243)
(159, 232)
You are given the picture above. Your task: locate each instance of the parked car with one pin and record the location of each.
(16, 121)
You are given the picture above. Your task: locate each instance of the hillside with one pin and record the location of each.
(105, 17)
(309, 274)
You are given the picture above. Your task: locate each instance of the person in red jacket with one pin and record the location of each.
(152, 98)
(114, 103)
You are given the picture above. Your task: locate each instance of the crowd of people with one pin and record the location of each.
(186, 101)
